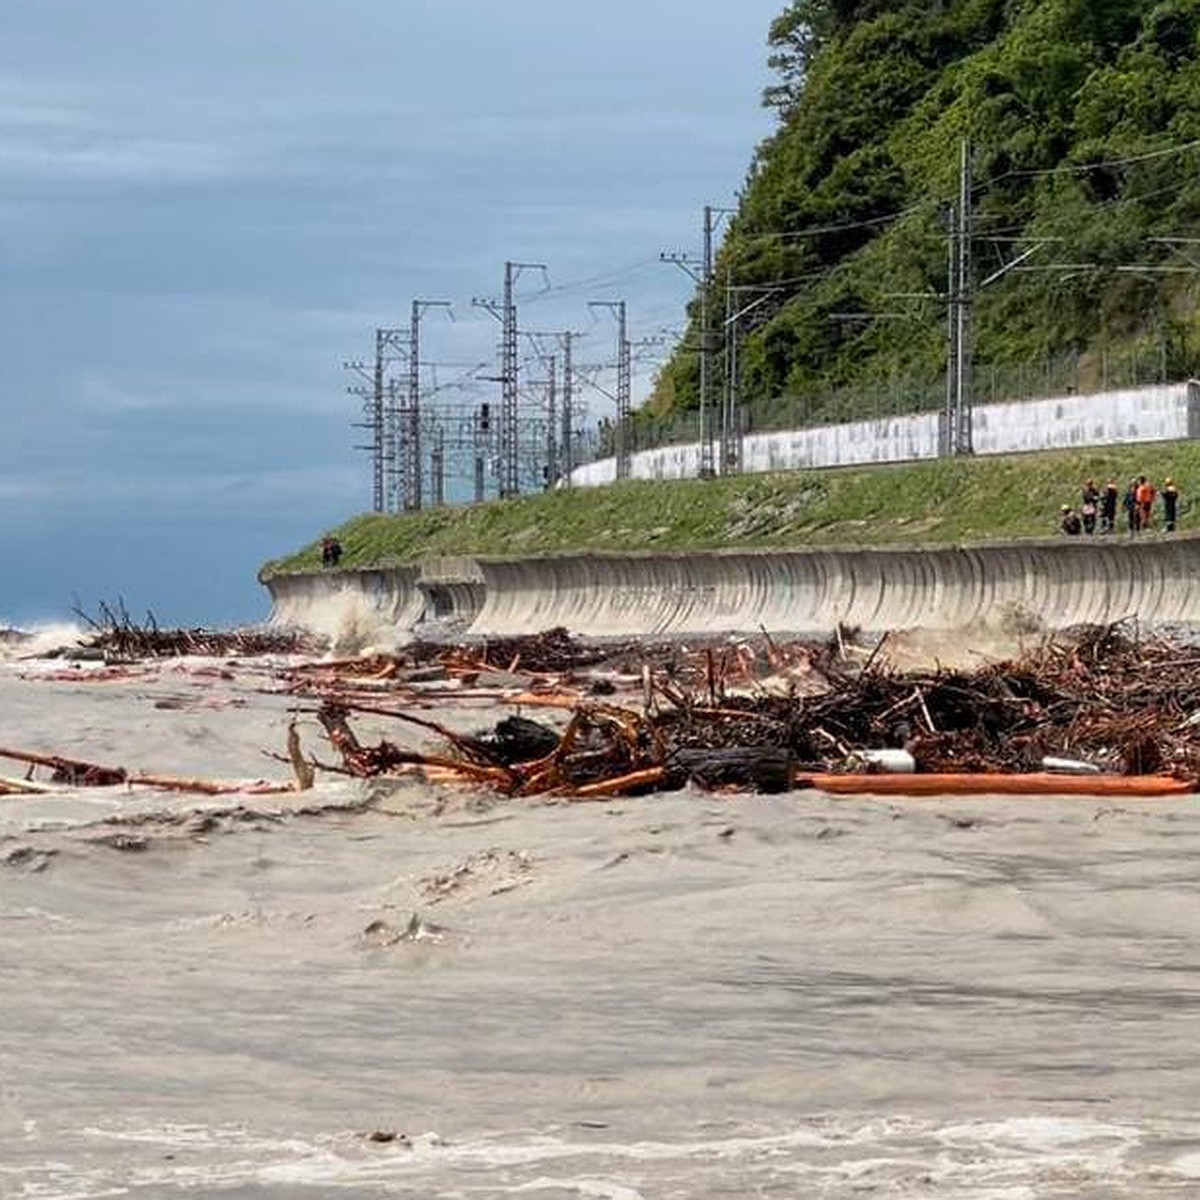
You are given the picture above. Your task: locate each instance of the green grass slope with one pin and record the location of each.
(947, 500)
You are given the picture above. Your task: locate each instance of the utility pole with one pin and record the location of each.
(731, 424)
(438, 467)
(379, 415)
(950, 407)
(964, 424)
(380, 431)
(551, 421)
(562, 460)
(957, 425)
(397, 464)
(712, 218)
(410, 428)
(483, 434)
(707, 465)
(568, 409)
(506, 313)
(624, 456)
(510, 479)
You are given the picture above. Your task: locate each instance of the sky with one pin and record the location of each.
(207, 206)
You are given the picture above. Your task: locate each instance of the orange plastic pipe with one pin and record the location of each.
(1000, 785)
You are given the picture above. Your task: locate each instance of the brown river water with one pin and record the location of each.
(683, 996)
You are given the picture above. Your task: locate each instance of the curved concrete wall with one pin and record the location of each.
(452, 590)
(809, 591)
(352, 608)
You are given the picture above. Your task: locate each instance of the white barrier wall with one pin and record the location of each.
(1167, 412)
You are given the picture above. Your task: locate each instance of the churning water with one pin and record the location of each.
(440, 995)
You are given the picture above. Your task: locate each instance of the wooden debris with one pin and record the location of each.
(119, 639)
(1129, 706)
(71, 772)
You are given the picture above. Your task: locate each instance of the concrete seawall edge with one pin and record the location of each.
(802, 591)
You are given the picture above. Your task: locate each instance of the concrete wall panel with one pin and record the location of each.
(1092, 581)
(1165, 412)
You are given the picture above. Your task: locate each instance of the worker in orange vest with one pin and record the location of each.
(1146, 495)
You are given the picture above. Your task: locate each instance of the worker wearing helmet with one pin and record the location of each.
(1071, 525)
(1170, 499)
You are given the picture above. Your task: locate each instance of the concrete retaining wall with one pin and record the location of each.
(1151, 414)
(352, 608)
(452, 590)
(810, 591)
(1058, 582)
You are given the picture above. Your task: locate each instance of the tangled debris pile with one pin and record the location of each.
(1100, 710)
(1098, 702)
(116, 638)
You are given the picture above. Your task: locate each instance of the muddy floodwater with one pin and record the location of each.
(400, 990)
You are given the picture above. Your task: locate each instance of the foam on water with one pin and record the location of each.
(1021, 1158)
(39, 639)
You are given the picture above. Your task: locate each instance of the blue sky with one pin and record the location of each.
(206, 206)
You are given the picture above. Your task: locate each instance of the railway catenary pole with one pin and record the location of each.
(957, 424)
(703, 279)
(506, 313)
(551, 420)
(410, 427)
(378, 412)
(707, 463)
(949, 407)
(380, 427)
(438, 467)
(623, 449)
(568, 408)
(964, 411)
(731, 425)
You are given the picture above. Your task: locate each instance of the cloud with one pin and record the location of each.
(207, 206)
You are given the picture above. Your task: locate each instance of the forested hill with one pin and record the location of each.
(1083, 118)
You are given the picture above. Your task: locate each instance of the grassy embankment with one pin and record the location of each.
(980, 499)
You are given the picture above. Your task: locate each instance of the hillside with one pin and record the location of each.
(1083, 118)
(949, 500)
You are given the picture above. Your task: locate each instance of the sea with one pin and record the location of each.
(393, 989)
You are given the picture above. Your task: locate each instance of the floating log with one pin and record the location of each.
(72, 771)
(620, 786)
(760, 768)
(211, 787)
(1036, 784)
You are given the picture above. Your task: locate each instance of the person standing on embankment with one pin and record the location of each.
(1089, 507)
(1170, 499)
(1147, 493)
(1108, 507)
(1133, 514)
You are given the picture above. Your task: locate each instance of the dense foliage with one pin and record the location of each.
(1082, 116)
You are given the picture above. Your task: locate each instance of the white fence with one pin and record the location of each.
(1161, 413)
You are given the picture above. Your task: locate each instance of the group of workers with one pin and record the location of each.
(1138, 503)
